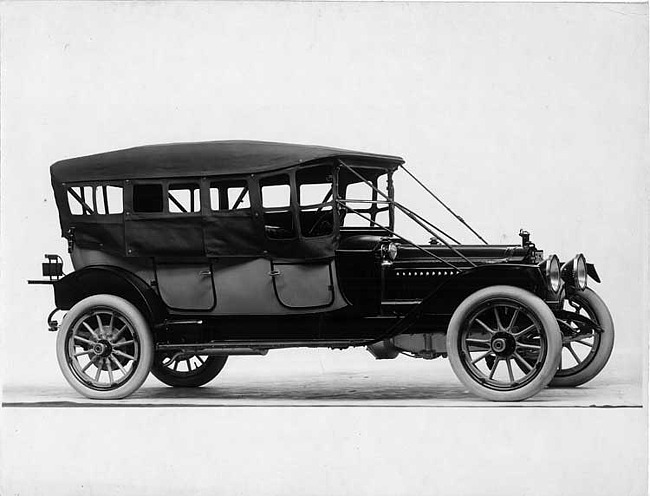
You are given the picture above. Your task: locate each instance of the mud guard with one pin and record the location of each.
(591, 272)
(111, 280)
(445, 298)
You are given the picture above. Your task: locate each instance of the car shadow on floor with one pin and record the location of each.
(304, 392)
(357, 389)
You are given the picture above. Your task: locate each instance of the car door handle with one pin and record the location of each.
(274, 273)
(205, 273)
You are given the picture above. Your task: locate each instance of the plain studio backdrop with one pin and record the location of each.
(518, 115)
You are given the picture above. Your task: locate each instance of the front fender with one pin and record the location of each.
(591, 272)
(449, 294)
(101, 279)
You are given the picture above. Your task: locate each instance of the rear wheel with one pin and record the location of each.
(585, 350)
(504, 343)
(183, 370)
(104, 347)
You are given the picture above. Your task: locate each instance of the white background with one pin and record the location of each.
(518, 115)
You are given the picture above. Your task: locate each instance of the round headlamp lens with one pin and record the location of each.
(553, 273)
(580, 271)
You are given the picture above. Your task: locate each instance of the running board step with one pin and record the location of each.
(252, 347)
(198, 350)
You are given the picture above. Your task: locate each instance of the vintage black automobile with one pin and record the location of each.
(185, 254)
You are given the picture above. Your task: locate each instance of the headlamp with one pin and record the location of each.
(575, 272)
(551, 268)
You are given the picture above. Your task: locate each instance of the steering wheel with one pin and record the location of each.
(322, 221)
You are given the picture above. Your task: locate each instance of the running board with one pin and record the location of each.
(400, 303)
(253, 347)
(168, 323)
(199, 350)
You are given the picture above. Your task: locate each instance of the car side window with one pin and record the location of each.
(315, 195)
(276, 195)
(184, 198)
(229, 195)
(112, 199)
(102, 200)
(147, 198)
(276, 202)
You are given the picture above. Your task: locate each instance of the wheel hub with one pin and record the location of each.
(102, 348)
(503, 344)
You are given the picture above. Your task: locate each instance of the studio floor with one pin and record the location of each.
(318, 422)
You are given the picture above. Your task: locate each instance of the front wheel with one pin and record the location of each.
(183, 370)
(104, 347)
(504, 343)
(585, 350)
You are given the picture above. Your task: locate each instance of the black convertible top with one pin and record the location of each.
(202, 158)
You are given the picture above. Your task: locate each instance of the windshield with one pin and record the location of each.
(364, 192)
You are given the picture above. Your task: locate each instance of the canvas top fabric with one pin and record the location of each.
(201, 159)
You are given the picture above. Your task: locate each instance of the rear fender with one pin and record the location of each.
(94, 280)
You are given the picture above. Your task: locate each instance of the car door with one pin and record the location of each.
(303, 285)
(299, 235)
(186, 286)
